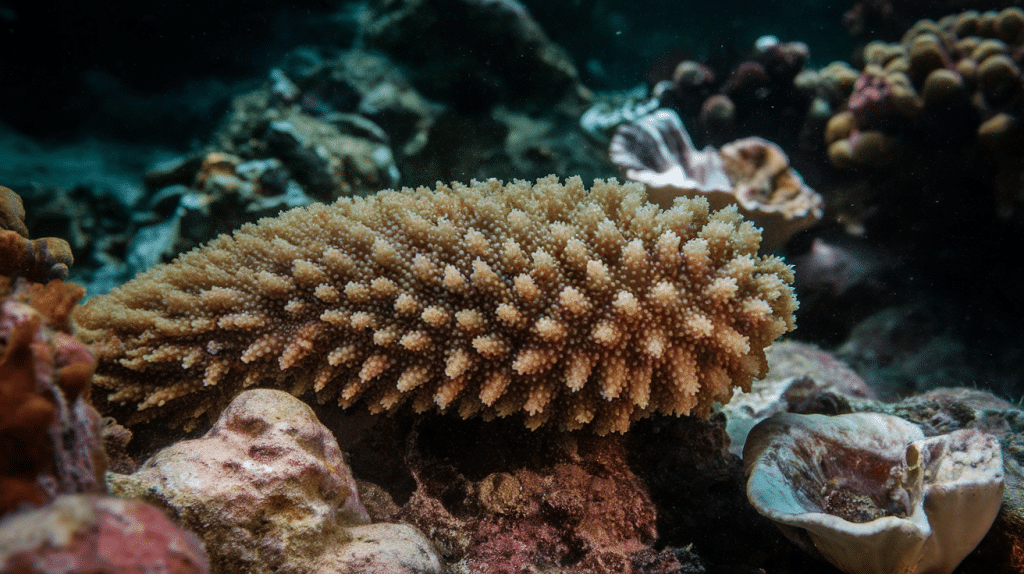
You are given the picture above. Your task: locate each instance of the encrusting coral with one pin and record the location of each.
(99, 534)
(40, 259)
(49, 434)
(575, 307)
(52, 460)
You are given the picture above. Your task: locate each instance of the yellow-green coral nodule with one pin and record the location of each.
(582, 308)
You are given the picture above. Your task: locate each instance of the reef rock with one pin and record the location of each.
(498, 499)
(268, 491)
(502, 54)
(99, 535)
(801, 378)
(49, 433)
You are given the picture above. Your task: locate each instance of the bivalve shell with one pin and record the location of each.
(871, 494)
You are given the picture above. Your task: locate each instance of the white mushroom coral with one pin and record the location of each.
(871, 494)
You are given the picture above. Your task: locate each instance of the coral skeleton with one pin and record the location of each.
(583, 308)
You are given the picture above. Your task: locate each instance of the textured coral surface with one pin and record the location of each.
(752, 173)
(951, 90)
(49, 434)
(562, 304)
(871, 493)
(39, 260)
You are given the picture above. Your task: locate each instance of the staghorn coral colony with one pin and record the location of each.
(585, 308)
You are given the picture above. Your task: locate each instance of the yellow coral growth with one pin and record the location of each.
(38, 260)
(575, 307)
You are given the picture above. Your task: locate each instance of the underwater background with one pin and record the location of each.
(138, 131)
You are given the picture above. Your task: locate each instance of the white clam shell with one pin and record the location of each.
(871, 494)
(656, 150)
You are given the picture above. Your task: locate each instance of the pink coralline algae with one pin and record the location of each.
(49, 434)
(54, 518)
(872, 101)
(93, 534)
(554, 499)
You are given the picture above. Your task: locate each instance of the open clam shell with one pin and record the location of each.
(871, 494)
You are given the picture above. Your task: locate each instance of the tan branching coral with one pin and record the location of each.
(575, 307)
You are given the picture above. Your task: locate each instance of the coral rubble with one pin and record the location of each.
(504, 500)
(585, 308)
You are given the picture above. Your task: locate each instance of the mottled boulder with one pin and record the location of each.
(268, 491)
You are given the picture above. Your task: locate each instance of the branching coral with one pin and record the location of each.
(582, 308)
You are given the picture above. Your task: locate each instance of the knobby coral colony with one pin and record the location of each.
(580, 308)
